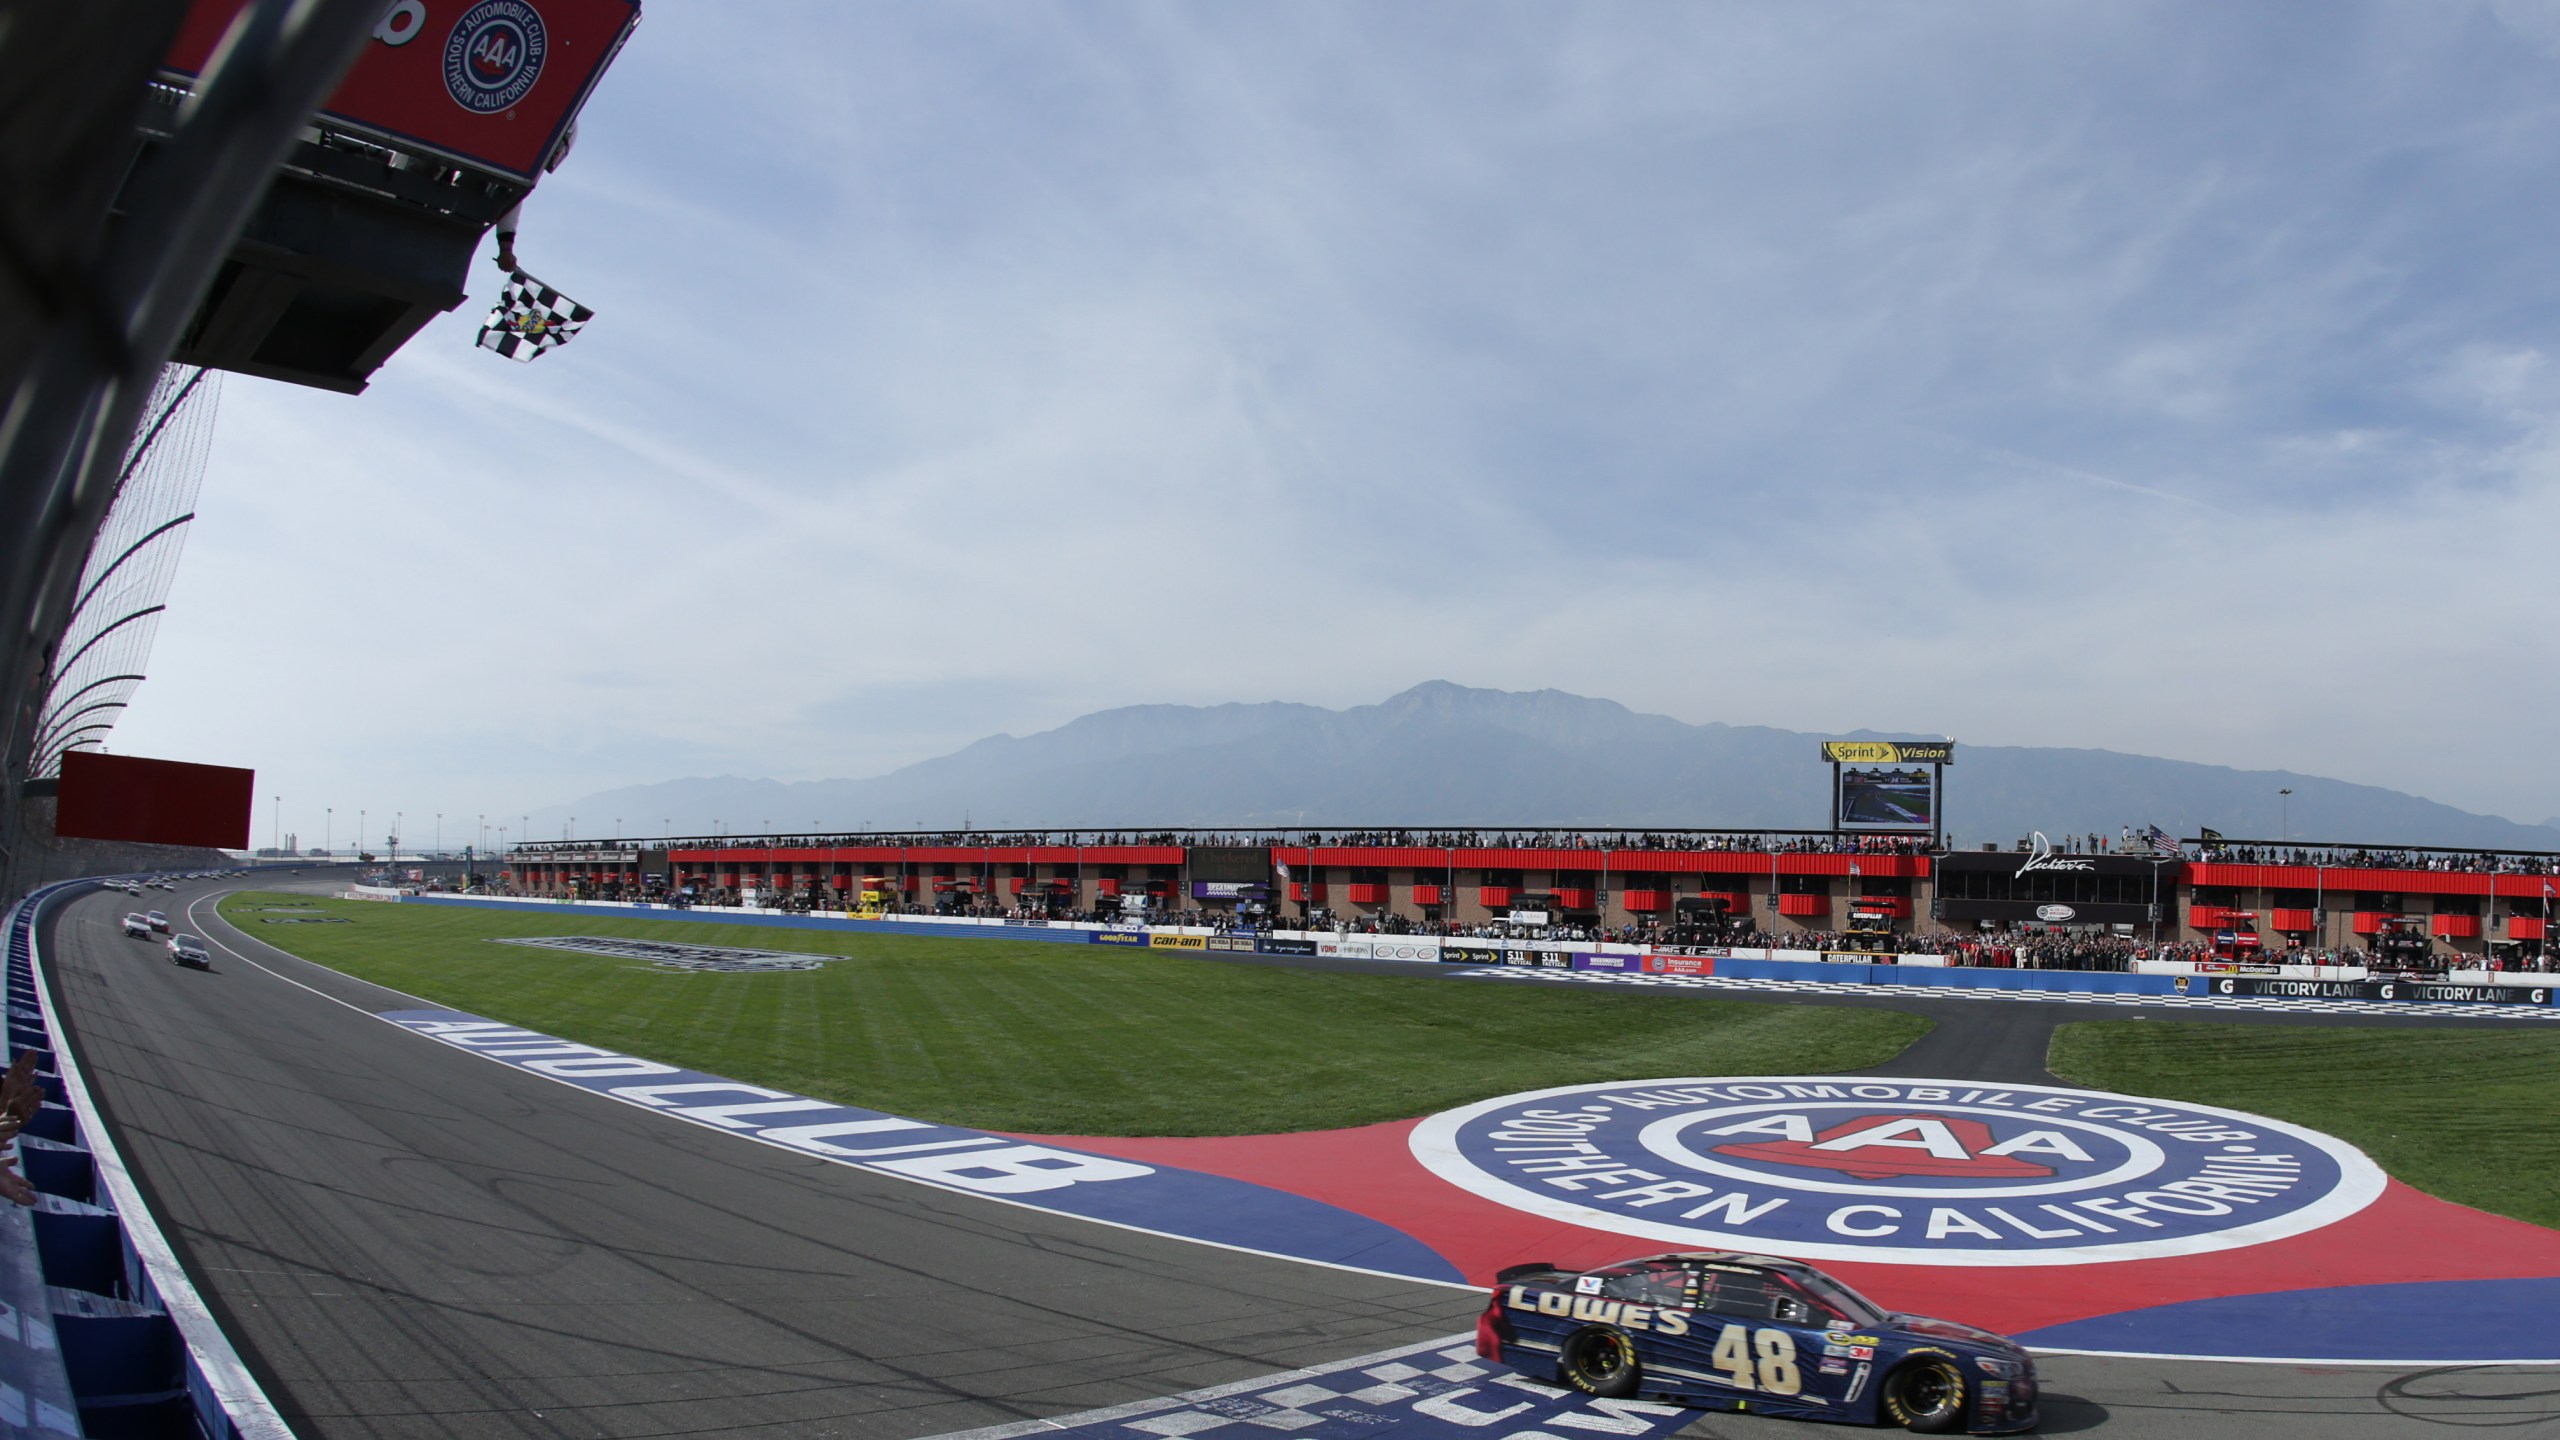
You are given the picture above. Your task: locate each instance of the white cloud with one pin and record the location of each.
(2168, 380)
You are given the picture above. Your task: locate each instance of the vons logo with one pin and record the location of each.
(1935, 1172)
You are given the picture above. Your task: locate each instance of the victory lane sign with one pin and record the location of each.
(1924, 1172)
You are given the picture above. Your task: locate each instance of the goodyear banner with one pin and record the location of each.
(1889, 752)
(1118, 937)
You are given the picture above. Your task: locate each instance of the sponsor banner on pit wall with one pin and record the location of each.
(1380, 947)
(2439, 991)
(1118, 937)
(1177, 942)
(1680, 964)
(1915, 1172)
(1282, 945)
(1246, 943)
(1599, 960)
(1457, 954)
(1164, 1199)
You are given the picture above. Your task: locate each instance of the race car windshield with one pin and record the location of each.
(1857, 1309)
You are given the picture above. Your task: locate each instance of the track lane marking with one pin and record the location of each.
(927, 1182)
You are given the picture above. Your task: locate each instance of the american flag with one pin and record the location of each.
(2161, 842)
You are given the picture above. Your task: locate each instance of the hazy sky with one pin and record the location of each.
(2168, 378)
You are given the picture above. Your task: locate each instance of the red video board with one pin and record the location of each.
(154, 802)
(490, 83)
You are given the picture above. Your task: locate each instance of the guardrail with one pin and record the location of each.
(109, 1337)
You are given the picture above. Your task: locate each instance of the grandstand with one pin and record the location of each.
(1703, 886)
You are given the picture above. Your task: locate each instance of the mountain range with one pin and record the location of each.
(1441, 754)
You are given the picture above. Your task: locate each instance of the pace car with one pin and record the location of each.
(1754, 1333)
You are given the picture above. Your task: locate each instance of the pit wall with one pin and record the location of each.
(1930, 971)
(1924, 972)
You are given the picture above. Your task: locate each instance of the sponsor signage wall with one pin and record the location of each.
(154, 802)
(2430, 991)
(1889, 752)
(492, 83)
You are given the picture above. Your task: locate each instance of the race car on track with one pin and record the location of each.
(138, 924)
(1758, 1334)
(189, 951)
(155, 920)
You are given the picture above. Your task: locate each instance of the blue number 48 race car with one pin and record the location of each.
(1754, 1333)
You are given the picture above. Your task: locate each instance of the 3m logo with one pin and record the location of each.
(1937, 1172)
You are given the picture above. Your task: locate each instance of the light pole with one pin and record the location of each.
(2284, 812)
(276, 816)
(359, 834)
(439, 832)
(329, 828)
(569, 830)
(397, 816)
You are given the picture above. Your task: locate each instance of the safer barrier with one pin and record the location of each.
(105, 1335)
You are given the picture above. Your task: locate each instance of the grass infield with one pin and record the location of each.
(2471, 1116)
(1067, 1039)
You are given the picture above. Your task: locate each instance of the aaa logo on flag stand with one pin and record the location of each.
(1926, 1172)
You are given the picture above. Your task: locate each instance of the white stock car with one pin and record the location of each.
(138, 924)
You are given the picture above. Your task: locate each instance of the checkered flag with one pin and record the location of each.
(531, 318)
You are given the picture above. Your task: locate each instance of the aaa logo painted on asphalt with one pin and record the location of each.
(1929, 1172)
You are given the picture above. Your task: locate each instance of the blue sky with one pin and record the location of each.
(2168, 378)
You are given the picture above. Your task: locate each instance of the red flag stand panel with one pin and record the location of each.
(154, 802)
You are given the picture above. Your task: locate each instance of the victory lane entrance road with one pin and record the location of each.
(404, 1239)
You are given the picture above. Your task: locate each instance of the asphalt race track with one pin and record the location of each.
(404, 1239)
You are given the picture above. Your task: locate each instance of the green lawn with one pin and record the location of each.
(1069, 1039)
(2472, 1116)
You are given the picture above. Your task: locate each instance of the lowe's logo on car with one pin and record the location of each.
(1922, 1172)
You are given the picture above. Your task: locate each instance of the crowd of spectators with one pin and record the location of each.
(1748, 842)
(2483, 862)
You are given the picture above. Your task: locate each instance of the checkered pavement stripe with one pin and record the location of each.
(2253, 1003)
(1436, 1390)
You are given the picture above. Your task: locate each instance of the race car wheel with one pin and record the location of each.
(1602, 1362)
(1926, 1396)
